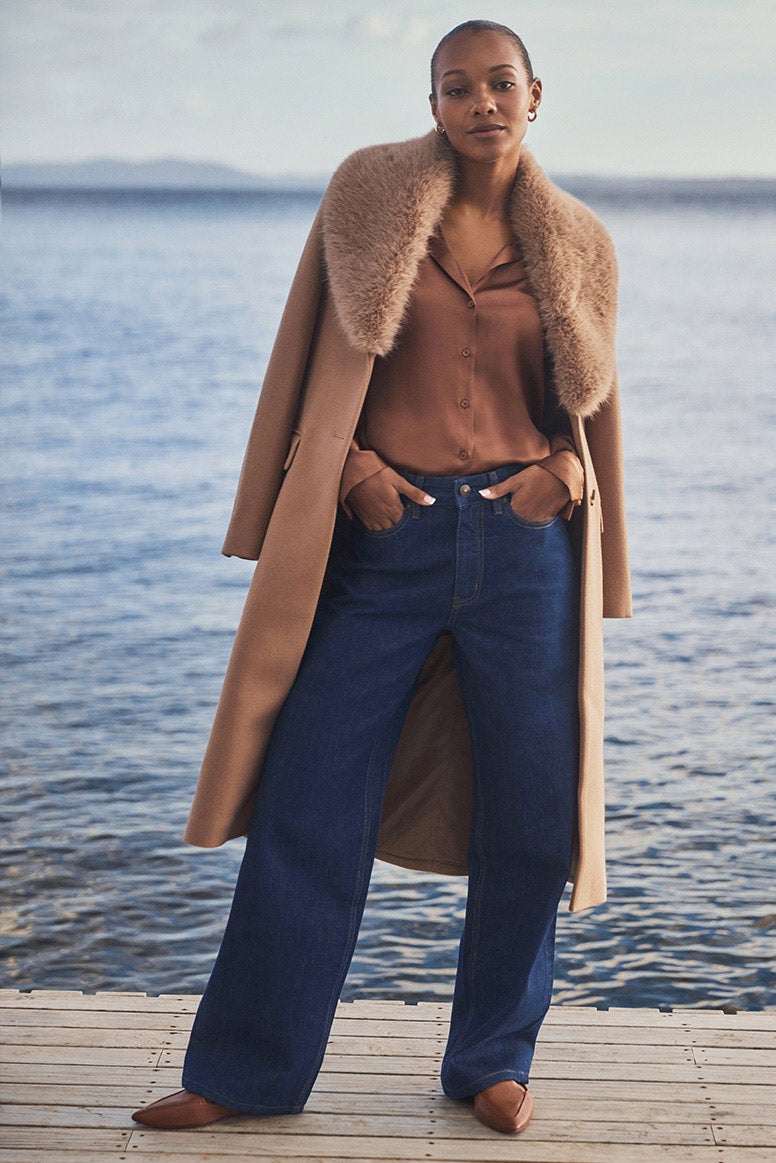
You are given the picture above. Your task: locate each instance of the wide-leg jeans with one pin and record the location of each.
(507, 591)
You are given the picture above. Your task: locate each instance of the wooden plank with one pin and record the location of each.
(188, 1003)
(423, 1047)
(551, 1052)
(169, 1079)
(657, 1091)
(25, 1072)
(77, 1055)
(540, 1153)
(67, 999)
(610, 1052)
(751, 1020)
(692, 1019)
(745, 1135)
(753, 1074)
(746, 1039)
(731, 1114)
(603, 1071)
(31, 1155)
(567, 1104)
(146, 1019)
(654, 1036)
(482, 1147)
(64, 1138)
(458, 1123)
(365, 1064)
(129, 1095)
(162, 1082)
(561, 1034)
(421, 1050)
(149, 1040)
(705, 1056)
(22, 1105)
(572, 1106)
(29, 1017)
(583, 1015)
(86, 1114)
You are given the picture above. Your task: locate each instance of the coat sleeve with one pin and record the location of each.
(604, 436)
(272, 429)
(360, 463)
(564, 464)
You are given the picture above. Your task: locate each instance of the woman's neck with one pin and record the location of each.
(483, 190)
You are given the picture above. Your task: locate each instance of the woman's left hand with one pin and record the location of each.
(537, 495)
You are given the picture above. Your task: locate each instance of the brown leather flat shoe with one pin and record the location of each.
(506, 1106)
(181, 1109)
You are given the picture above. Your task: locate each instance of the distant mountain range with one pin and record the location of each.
(172, 174)
(162, 174)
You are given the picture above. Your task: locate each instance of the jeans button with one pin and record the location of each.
(464, 490)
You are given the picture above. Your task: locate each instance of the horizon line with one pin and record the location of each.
(324, 175)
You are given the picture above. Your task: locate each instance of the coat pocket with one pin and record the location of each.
(296, 436)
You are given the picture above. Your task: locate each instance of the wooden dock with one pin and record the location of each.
(611, 1086)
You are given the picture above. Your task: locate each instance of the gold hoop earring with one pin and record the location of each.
(440, 129)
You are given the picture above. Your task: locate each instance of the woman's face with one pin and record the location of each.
(481, 81)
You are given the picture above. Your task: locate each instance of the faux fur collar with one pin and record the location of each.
(379, 210)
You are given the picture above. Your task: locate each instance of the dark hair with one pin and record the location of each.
(481, 26)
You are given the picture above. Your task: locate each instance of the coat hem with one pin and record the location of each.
(445, 867)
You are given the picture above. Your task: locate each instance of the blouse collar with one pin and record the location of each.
(443, 255)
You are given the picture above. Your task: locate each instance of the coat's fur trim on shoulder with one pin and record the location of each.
(572, 268)
(379, 210)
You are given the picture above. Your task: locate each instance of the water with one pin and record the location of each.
(136, 330)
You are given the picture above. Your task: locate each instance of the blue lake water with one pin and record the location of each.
(135, 333)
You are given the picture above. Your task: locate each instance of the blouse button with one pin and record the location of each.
(470, 303)
(464, 403)
(463, 454)
(465, 351)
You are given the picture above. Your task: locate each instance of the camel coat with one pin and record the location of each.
(346, 305)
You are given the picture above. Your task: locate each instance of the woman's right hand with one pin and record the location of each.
(376, 500)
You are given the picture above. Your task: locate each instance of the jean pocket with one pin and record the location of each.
(391, 528)
(523, 522)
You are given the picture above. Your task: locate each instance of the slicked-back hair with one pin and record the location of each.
(481, 26)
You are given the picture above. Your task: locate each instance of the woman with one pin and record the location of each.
(432, 491)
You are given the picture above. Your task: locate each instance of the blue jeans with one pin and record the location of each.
(507, 591)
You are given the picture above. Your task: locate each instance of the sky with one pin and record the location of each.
(668, 88)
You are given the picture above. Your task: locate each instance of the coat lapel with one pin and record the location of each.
(379, 211)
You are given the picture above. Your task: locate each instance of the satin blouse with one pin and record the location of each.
(463, 389)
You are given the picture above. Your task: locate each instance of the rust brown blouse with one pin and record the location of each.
(463, 390)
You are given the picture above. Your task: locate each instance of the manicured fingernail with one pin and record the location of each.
(430, 500)
(484, 492)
